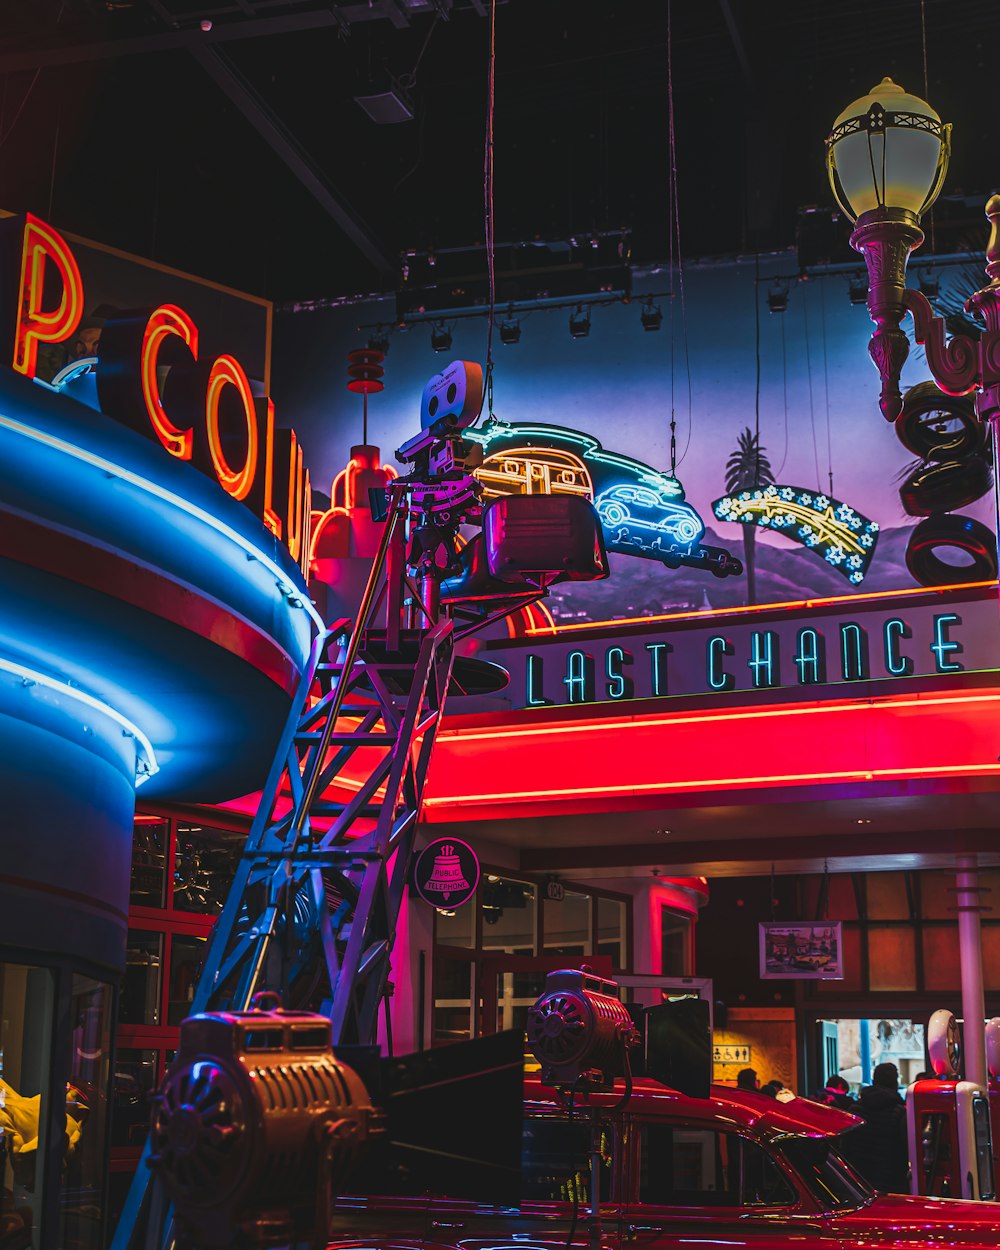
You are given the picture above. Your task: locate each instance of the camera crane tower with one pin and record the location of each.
(313, 907)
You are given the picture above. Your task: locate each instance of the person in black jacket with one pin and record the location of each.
(877, 1148)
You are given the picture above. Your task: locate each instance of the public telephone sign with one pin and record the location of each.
(446, 873)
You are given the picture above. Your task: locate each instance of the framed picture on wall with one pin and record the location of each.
(801, 951)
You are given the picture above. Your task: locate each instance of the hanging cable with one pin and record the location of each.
(826, 388)
(756, 343)
(784, 389)
(488, 207)
(674, 228)
(809, 372)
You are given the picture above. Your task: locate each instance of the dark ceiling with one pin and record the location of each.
(238, 152)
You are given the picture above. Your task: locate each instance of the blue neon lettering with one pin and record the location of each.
(579, 677)
(943, 646)
(718, 678)
(619, 686)
(763, 662)
(533, 682)
(659, 670)
(853, 652)
(896, 664)
(810, 657)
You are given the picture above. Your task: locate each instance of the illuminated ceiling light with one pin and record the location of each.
(441, 338)
(930, 283)
(857, 290)
(651, 316)
(379, 341)
(777, 296)
(579, 323)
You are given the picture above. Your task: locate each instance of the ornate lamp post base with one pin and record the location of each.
(886, 237)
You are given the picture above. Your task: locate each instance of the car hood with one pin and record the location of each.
(912, 1218)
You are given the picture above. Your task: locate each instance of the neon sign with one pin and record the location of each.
(721, 658)
(152, 377)
(643, 511)
(831, 528)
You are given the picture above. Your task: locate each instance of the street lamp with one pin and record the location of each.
(887, 156)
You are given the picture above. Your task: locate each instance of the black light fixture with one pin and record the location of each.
(857, 289)
(579, 323)
(930, 283)
(379, 341)
(510, 329)
(777, 296)
(651, 316)
(441, 338)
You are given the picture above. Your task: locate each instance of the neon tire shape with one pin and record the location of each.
(614, 514)
(961, 532)
(920, 403)
(944, 485)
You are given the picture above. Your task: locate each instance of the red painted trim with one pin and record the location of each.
(76, 560)
(74, 896)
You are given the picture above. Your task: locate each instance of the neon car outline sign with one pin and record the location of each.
(643, 511)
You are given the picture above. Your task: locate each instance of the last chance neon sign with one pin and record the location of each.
(708, 661)
(206, 413)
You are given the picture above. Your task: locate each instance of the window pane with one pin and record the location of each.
(81, 1218)
(941, 971)
(451, 1018)
(134, 1081)
(887, 896)
(206, 865)
(991, 956)
(508, 909)
(25, 1051)
(937, 895)
(675, 944)
(186, 955)
(566, 925)
(611, 931)
(704, 1167)
(842, 903)
(140, 998)
(891, 964)
(149, 860)
(555, 1161)
(456, 927)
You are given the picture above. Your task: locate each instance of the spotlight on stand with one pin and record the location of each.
(579, 323)
(777, 297)
(857, 290)
(580, 1032)
(510, 329)
(379, 342)
(930, 283)
(651, 316)
(441, 338)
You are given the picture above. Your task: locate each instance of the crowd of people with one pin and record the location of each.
(877, 1148)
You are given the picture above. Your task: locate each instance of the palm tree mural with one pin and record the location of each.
(747, 468)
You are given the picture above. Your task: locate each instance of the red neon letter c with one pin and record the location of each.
(166, 320)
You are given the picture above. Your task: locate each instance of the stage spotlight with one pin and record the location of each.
(777, 297)
(930, 283)
(579, 323)
(379, 341)
(857, 290)
(651, 316)
(441, 338)
(510, 331)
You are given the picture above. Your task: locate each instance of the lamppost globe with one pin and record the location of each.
(887, 156)
(888, 150)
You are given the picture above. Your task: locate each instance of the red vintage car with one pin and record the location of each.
(735, 1170)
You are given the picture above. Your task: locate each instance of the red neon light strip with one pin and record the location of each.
(749, 609)
(877, 774)
(692, 718)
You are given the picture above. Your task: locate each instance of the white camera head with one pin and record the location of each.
(453, 398)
